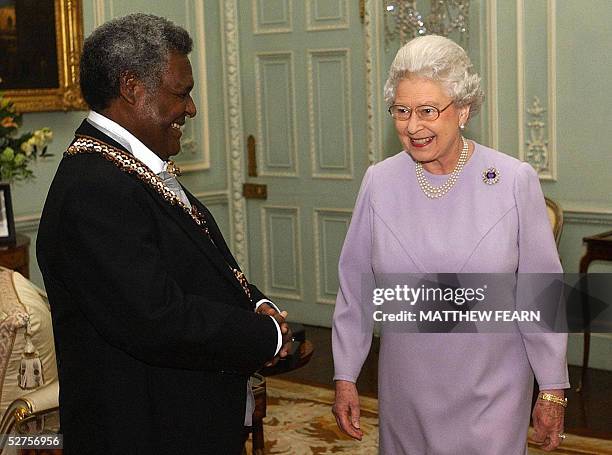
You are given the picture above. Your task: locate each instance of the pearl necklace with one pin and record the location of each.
(434, 192)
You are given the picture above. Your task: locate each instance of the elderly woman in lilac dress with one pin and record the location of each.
(446, 204)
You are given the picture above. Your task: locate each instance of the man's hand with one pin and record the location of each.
(548, 422)
(346, 409)
(264, 308)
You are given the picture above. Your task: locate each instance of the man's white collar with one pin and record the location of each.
(128, 140)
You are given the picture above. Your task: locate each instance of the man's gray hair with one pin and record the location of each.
(440, 59)
(138, 43)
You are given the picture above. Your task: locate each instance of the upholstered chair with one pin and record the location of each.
(28, 371)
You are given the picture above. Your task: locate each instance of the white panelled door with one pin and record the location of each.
(302, 66)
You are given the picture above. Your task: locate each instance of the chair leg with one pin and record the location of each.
(586, 318)
(585, 360)
(258, 438)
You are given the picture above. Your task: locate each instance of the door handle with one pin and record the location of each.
(251, 156)
(253, 190)
(362, 10)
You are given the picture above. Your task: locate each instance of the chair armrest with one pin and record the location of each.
(41, 400)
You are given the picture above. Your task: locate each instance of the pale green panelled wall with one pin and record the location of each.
(202, 19)
(563, 46)
(563, 49)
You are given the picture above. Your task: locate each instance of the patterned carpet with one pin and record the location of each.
(299, 422)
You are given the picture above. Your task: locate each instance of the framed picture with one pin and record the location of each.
(7, 221)
(40, 47)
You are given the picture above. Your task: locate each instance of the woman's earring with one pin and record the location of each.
(461, 127)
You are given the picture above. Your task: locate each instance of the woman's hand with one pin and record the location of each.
(346, 409)
(548, 422)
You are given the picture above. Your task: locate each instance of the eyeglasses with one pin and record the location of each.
(427, 113)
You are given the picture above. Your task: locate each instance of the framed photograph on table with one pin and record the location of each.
(7, 221)
(40, 47)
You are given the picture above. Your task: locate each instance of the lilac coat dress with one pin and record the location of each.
(448, 394)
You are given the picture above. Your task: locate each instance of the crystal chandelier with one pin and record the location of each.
(404, 22)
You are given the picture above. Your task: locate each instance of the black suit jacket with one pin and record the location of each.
(155, 338)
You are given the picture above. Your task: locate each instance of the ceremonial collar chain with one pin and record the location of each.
(434, 192)
(130, 164)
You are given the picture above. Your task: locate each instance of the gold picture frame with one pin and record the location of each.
(65, 92)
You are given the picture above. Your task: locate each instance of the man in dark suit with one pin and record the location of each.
(156, 328)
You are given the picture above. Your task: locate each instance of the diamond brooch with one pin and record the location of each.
(490, 176)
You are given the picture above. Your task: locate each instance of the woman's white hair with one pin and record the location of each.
(440, 59)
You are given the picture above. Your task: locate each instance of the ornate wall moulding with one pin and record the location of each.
(537, 143)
